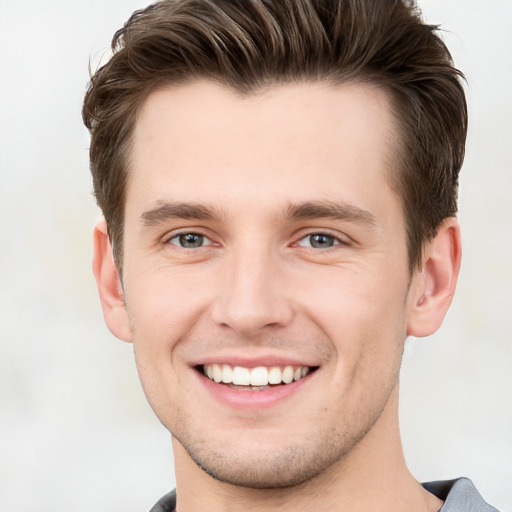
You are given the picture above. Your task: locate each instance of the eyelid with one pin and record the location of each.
(168, 237)
(307, 237)
(206, 241)
(339, 239)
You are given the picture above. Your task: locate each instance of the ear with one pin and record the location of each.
(432, 289)
(109, 284)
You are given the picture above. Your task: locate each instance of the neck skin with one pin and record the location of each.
(373, 476)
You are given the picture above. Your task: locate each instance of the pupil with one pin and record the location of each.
(321, 241)
(191, 240)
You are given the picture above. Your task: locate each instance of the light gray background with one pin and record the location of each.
(75, 431)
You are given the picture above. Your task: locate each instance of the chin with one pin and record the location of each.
(268, 474)
(268, 467)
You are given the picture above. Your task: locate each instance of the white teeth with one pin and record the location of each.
(257, 377)
(274, 375)
(227, 374)
(217, 373)
(287, 375)
(241, 376)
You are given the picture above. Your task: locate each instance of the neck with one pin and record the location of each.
(373, 476)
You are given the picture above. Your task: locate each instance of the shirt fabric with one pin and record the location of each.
(459, 495)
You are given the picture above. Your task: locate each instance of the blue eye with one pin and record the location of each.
(319, 241)
(190, 240)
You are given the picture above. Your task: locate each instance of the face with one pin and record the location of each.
(266, 276)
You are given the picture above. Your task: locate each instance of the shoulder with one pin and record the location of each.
(459, 495)
(165, 504)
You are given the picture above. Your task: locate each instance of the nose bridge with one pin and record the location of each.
(252, 295)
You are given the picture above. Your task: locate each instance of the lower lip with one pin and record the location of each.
(253, 399)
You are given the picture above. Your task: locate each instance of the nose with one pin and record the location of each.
(253, 295)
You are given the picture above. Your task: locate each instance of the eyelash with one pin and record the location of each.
(336, 241)
(179, 238)
(339, 241)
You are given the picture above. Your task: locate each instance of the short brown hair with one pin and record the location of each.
(249, 44)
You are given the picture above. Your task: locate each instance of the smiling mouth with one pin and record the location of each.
(258, 378)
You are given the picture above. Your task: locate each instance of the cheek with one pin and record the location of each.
(159, 316)
(364, 317)
(356, 299)
(163, 303)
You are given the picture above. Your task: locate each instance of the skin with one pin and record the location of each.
(240, 171)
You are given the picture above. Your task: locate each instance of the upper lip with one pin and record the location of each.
(253, 362)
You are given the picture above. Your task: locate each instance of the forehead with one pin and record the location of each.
(203, 138)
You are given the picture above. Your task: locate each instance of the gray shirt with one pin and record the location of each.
(458, 495)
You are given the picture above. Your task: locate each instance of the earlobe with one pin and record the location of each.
(109, 284)
(432, 289)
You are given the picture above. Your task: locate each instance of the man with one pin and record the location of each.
(279, 181)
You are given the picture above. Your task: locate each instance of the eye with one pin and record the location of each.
(190, 240)
(319, 241)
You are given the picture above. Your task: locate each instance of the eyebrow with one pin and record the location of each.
(328, 209)
(309, 210)
(175, 210)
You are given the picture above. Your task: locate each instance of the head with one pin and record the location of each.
(279, 182)
(248, 46)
